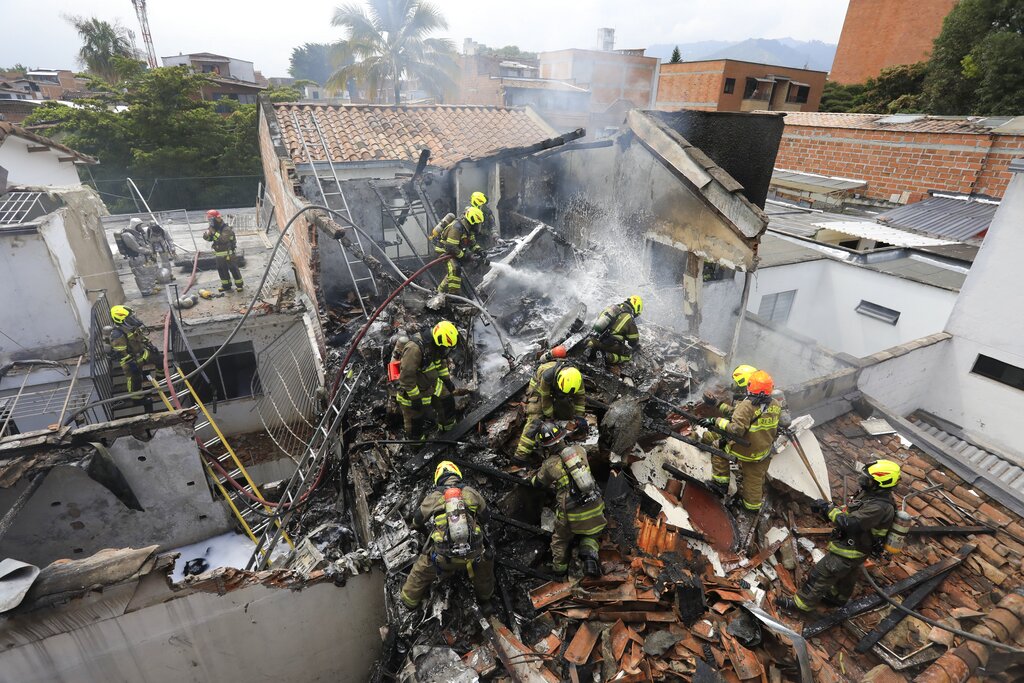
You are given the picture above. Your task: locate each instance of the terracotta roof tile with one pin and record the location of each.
(903, 124)
(382, 132)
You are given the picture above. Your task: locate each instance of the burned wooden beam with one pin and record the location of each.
(873, 600)
(894, 617)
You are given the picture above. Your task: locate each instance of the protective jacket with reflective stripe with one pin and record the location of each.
(617, 321)
(585, 519)
(432, 517)
(423, 371)
(554, 403)
(867, 518)
(758, 424)
(457, 237)
(222, 237)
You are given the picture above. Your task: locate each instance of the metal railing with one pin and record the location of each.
(99, 360)
(287, 386)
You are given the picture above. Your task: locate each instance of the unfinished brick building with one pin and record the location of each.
(734, 85)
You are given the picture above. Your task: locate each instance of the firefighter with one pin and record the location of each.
(132, 350)
(132, 243)
(556, 391)
(724, 402)
(222, 237)
(579, 509)
(424, 383)
(615, 332)
(756, 419)
(458, 238)
(485, 233)
(161, 243)
(453, 515)
(860, 530)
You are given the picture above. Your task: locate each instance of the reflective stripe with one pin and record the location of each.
(834, 512)
(720, 480)
(880, 532)
(848, 553)
(800, 603)
(409, 602)
(752, 506)
(587, 514)
(753, 457)
(774, 424)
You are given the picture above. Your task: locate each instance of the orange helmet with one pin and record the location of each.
(760, 383)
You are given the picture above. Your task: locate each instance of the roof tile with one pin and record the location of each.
(361, 132)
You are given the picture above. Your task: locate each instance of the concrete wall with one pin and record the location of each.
(881, 33)
(611, 76)
(828, 293)
(43, 169)
(902, 378)
(790, 358)
(257, 633)
(894, 161)
(72, 516)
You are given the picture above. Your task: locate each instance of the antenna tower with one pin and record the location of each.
(147, 37)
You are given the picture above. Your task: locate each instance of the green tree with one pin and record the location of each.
(166, 138)
(510, 52)
(102, 43)
(312, 61)
(677, 57)
(898, 89)
(836, 97)
(977, 63)
(285, 93)
(388, 41)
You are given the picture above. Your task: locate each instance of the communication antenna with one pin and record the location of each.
(147, 37)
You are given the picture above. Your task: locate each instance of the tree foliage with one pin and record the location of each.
(388, 41)
(102, 43)
(510, 52)
(312, 61)
(166, 138)
(677, 56)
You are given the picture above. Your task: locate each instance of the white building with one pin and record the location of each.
(34, 160)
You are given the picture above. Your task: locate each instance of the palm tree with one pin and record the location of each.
(389, 42)
(101, 43)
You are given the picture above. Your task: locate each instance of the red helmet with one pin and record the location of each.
(760, 383)
(213, 213)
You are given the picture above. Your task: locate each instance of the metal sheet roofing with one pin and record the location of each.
(813, 182)
(870, 230)
(948, 217)
(901, 123)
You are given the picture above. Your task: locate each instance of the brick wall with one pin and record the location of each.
(894, 162)
(701, 86)
(881, 33)
(691, 85)
(476, 85)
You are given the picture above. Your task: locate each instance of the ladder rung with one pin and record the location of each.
(207, 444)
(234, 475)
(201, 425)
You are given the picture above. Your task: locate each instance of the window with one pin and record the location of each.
(776, 307)
(798, 93)
(232, 375)
(757, 89)
(730, 86)
(716, 273)
(1004, 373)
(886, 315)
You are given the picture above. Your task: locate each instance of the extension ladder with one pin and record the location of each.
(324, 438)
(221, 462)
(351, 263)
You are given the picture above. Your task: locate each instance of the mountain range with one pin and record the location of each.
(800, 54)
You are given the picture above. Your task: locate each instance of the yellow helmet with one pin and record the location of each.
(885, 472)
(636, 303)
(569, 380)
(478, 199)
(741, 375)
(445, 334)
(474, 216)
(444, 468)
(119, 313)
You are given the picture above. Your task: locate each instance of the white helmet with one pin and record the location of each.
(134, 223)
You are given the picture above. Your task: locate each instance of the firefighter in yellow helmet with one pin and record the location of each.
(485, 233)
(424, 383)
(556, 392)
(454, 517)
(579, 507)
(458, 239)
(723, 399)
(132, 349)
(860, 531)
(615, 332)
(756, 419)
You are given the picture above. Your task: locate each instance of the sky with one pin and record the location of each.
(262, 33)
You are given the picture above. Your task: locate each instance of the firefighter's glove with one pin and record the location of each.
(706, 422)
(709, 399)
(821, 507)
(579, 424)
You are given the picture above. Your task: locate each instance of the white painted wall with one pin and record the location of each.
(828, 293)
(988, 318)
(36, 168)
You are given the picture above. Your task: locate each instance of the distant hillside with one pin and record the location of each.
(800, 54)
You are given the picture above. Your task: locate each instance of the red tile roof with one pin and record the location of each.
(904, 123)
(386, 133)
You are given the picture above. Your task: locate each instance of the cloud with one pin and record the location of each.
(266, 34)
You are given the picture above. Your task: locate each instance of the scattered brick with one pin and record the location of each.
(968, 498)
(949, 482)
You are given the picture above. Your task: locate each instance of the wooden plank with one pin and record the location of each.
(582, 643)
(894, 617)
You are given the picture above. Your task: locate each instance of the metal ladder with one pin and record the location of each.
(324, 438)
(350, 260)
(255, 518)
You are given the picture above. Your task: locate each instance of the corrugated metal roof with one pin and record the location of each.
(921, 269)
(992, 466)
(956, 219)
(813, 182)
(903, 123)
(870, 230)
